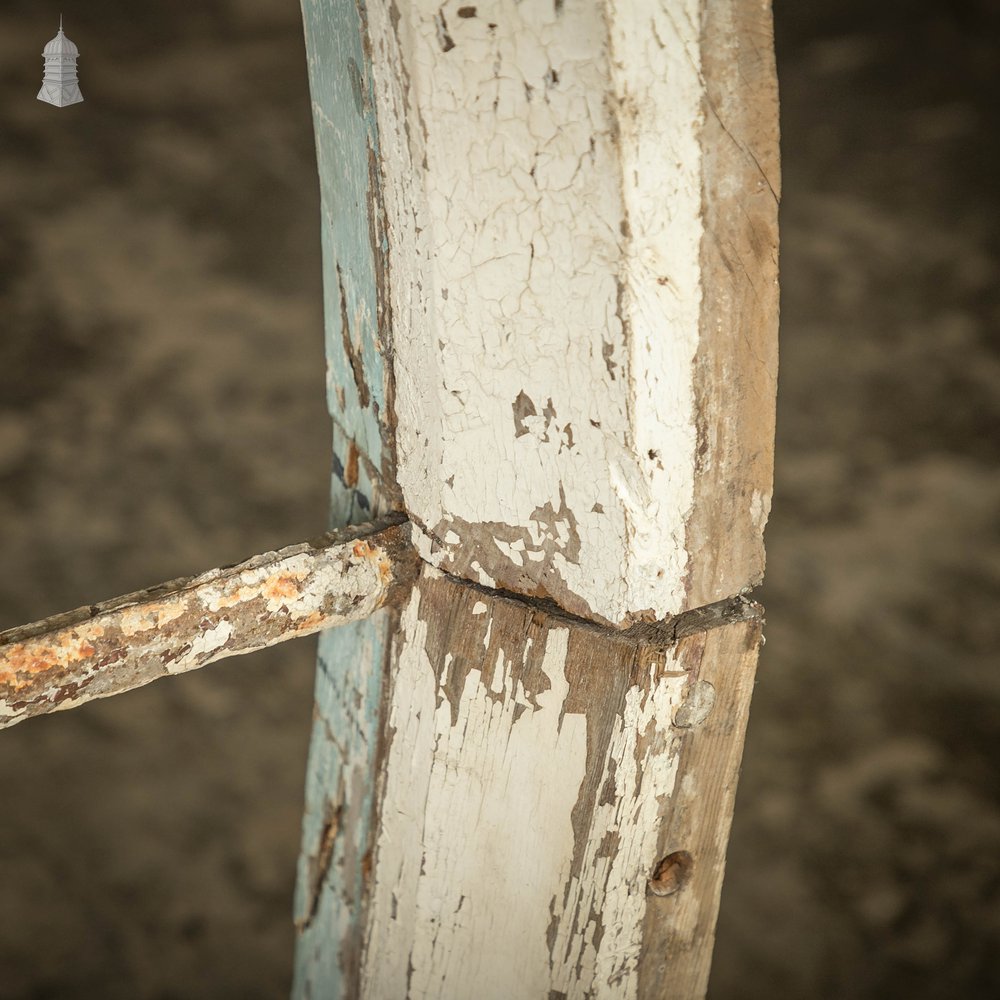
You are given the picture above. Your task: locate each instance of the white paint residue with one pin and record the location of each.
(360, 578)
(479, 608)
(393, 915)
(514, 555)
(517, 853)
(760, 508)
(656, 65)
(642, 762)
(482, 576)
(470, 915)
(516, 378)
(208, 642)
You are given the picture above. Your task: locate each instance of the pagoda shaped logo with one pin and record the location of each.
(59, 85)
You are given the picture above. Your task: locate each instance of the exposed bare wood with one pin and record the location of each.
(108, 648)
(535, 771)
(735, 369)
(679, 927)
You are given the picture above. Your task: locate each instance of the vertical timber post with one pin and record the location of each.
(340, 806)
(549, 234)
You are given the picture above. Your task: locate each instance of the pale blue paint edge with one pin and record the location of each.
(350, 668)
(346, 132)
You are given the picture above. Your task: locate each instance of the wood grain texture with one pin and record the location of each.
(679, 928)
(533, 779)
(109, 648)
(735, 369)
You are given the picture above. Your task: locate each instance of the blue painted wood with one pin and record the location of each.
(337, 825)
(346, 134)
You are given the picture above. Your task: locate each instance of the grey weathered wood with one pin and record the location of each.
(108, 648)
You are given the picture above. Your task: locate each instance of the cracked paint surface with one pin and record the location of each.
(544, 235)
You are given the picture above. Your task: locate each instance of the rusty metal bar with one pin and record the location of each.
(109, 648)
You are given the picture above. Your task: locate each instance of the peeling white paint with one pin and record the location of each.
(468, 918)
(208, 642)
(514, 555)
(544, 232)
(760, 509)
(543, 190)
(481, 575)
(401, 836)
(129, 641)
(144, 617)
(656, 69)
(519, 903)
(610, 891)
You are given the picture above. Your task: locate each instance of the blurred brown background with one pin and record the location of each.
(162, 411)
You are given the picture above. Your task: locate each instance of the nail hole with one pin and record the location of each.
(671, 874)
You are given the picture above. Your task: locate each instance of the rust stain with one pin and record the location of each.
(351, 468)
(146, 617)
(384, 569)
(227, 598)
(378, 555)
(284, 586)
(311, 622)
(132, 641)
(23, 662)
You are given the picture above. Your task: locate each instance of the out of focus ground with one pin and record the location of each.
(162, 410)
(865, 858)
